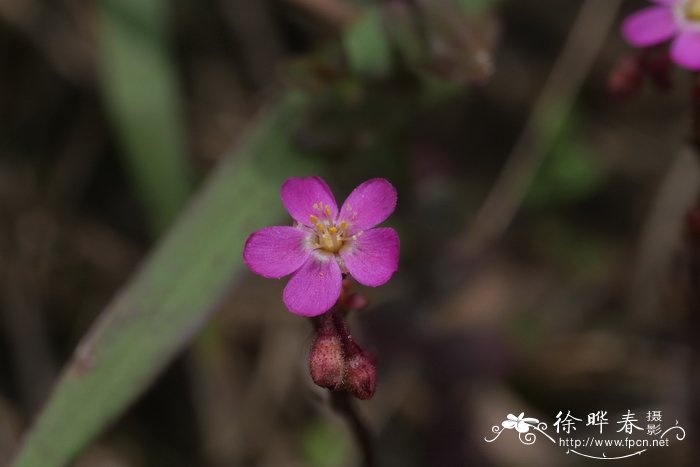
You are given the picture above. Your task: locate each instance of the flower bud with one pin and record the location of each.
(355, 301)
(327, 361)
(361, 377)
(626, 78)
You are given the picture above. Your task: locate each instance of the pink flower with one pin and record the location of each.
(668, 19)
(324, 243)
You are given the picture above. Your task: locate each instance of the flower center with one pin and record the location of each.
(329, 237)
(692, 10)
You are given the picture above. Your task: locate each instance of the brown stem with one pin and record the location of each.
(342, 402)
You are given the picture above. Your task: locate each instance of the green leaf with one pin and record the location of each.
(139, 84)
(367, 46)
(172, 295)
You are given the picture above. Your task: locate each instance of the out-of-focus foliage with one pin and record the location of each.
(366, 47)
(570, 172)
(141, 88)
(324, 445)
(121, 354)
(171, 296)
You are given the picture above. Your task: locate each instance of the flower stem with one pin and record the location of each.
(324, 323)
(342, 402)
(341, 325)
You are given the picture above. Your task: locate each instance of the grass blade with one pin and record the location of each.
(140, 87)
(168, 300)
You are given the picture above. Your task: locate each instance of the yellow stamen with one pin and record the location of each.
(692, 10)
(327, 210)
(329, 237)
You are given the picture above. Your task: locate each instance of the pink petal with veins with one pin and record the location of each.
(315, 287)
(373, 257)
(299, 195)
(368, 205)
(275, 252)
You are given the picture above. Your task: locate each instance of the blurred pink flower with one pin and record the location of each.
(676, 20)
(324, 243)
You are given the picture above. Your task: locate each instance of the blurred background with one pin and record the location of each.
(542, 267)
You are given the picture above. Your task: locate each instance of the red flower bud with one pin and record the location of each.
(361, 377)
(356, 302)
(626, 78)
(327, 357)
(327, 362)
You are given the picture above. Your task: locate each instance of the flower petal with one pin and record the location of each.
(368, 205)
(373, 257)
(650, 26)
(275, 252)
(315, 287)
(509, 424)
(303, 197)
(685, 50)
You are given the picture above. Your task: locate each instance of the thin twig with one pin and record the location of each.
(342, 402)
(583, 44)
